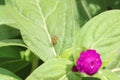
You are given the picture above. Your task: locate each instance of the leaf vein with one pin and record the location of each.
(45, 24)
(52, 9)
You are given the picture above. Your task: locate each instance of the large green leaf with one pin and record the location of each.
(102, 33)
(42, 21)
(5, 18)
(55, 69)
(7, 75)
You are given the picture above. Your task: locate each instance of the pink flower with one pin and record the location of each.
(89, 62)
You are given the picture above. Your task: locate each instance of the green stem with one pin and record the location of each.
(34, 64)
(35, 61)
(86, 10)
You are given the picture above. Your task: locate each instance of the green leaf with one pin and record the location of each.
(113, 4)
(7, 32)
(102, 34)
(115, 62)
(5, 18)
(2, 2)
(112, 61)
(42, 21)
(110, 75)
(14, 65)
(12, 42)
(55, 69)
(70, 76)
(90, 8)
(114, 66)
(7, 75)
(9, 53)
(10, 59)
(100, 75)
(71, 54)
(117, 70)
(93, 7)
(67, 54)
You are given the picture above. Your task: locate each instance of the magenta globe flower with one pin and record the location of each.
(89, 62)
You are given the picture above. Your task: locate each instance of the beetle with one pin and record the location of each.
(54, 39)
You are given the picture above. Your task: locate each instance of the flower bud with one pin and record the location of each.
(89, 62)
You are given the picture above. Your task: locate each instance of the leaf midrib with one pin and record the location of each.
(45, 25)
(85, 9)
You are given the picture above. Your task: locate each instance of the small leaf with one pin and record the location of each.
(67, 54)
(9, 53)
(10, 58)
(7, 75)
(14, 65)
(7, 32)
(55, 69)
(12, 42)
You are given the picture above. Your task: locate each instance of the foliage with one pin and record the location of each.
(28, 28)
